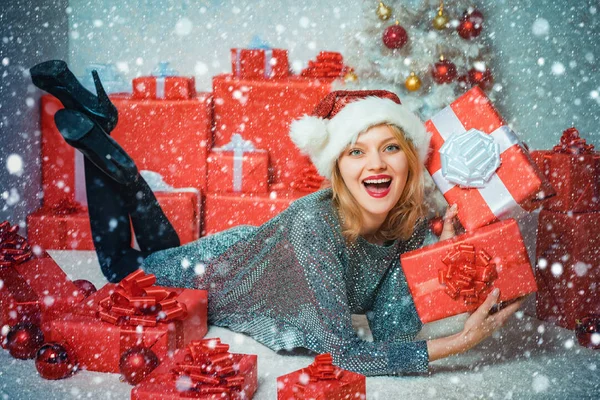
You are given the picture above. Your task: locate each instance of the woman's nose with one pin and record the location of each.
(375, 161)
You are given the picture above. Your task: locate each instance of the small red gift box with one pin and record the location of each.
(18, 302)
(224, 211)
(132, 313)
(238, 167)
(259, 63)
(262, 111)
(567, 273)
(478, 163)
(455, 276)
(573, 169)
(203, 370)
(164, 87)
(321, 381)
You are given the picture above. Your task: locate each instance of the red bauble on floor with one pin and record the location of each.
(86, 287)
(136, 363)
(395, 37)
(53, 361)
(588, 332)
(24, 339)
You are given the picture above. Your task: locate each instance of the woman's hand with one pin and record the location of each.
(449, 219)
(479, 326)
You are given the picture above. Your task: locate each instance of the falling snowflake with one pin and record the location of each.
(540, 27)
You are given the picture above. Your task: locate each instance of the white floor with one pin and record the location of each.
(528, 359)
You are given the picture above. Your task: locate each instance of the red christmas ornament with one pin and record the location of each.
(53, 361)
(437, 226)
(588, 332)
(471, 24)
(483, 78)
(136, 363)
(24, 339)
(395, 37)
(85, 287)
(444, 71)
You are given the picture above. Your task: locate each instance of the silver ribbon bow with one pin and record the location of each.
(161, 72)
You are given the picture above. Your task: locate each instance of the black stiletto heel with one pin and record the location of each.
(88, 137)
(55, 78)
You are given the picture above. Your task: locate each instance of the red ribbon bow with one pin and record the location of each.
(136, 302)
(210, 367)
(322, 369)
(327, 65)
(309, 180)
(468, 274)
(572, 143)
(14, 249)
(67, 207)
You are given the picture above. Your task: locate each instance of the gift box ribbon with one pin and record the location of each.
(136, 302)
(161, 73)
(239, 146)
(268, 57)
(572, 143)
(467, 274)
(209, 367)
(14, 249)
(493, 190)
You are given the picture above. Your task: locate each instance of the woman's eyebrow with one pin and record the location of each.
(384, 141)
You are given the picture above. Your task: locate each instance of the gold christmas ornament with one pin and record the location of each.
(412, 83)
(350, 76)
(384, 12)
(441, 19)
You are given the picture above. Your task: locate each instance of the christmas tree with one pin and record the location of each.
(426, 51)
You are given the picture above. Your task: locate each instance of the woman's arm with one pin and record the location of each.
(479, 326)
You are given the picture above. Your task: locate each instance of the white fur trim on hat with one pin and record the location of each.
(324, 140)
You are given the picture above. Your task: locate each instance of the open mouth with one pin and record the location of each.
(377, 187)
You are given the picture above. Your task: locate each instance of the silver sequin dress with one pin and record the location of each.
(294, 282)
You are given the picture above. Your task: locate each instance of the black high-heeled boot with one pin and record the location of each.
(82, 133)
(55, 78)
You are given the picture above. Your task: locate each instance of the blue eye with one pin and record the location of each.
(354, 152)
(392, 147)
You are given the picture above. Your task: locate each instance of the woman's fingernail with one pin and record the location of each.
(496, 292)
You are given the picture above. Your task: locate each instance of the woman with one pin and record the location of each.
(296, 280)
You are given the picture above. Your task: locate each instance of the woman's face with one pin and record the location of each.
(375, 170)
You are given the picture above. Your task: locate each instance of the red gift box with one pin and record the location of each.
(32, 286)
(224, 211)
(204, 370)
(573, 169)
(455, 276)
(171, 138)
(132, 313)
(164, 87)
(18, 302)
(262, 110)
(259, 63)
(65, 228)
(328, 64)
(511, 183)
(58, 229)
(56, 293)
(246, 172)
(321, 381)
(568, 269)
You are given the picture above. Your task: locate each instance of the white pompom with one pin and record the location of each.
(309, 134)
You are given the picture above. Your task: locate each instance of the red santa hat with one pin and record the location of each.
(342, 115)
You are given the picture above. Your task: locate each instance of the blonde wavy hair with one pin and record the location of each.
(401, 219)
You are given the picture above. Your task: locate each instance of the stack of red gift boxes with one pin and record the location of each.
(568, 243)
(479, 164)
(231, 146)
